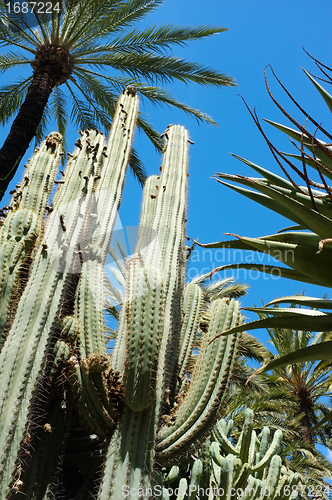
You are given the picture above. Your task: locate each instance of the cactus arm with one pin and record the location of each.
(221, 436)
(286, 483)
(165, 252)
(272, 450)
(246, 434)
(196, 412)
(105, 201)
(192, 301)
(227, 476)
(37, 183)
(128, 445)
(183, 488)
(87, 401)
(242, 479)
(252, 490)
(272, 480)
(168, 223)
(145, 308)
(196, 473)
(17, 237)
(145, 237)
(264, 443)
(23, 354)
(172, 475)
(95, 400)
(24, 223)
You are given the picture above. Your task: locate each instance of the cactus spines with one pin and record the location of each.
(135, 408)
(144, 305)
(237, 471)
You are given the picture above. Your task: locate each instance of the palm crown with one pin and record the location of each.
(71, 52)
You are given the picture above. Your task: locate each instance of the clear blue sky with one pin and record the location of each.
(260, 32)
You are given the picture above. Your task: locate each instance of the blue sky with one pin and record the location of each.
(260, 32)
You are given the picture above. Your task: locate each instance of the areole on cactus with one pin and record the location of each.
(76, 421)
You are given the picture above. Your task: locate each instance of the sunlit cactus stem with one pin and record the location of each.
(116, 420)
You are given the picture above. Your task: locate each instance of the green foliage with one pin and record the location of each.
(82, 41)
(305, 248)
(76, 421)
(244, 467)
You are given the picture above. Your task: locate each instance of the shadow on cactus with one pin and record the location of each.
(77, 422)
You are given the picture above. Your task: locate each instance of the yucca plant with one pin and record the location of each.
(306, 247)
(76, 421)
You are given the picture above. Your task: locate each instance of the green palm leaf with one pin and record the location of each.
(84, 42)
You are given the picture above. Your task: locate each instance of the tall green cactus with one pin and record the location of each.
(76, 421)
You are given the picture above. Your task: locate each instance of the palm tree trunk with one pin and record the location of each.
(25, 125)
(305, 422)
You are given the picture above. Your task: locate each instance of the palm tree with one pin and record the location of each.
(71, 50)
(307, 383)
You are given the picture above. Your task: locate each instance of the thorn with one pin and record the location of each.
(62, 224)
(153, 196)
(190, 142)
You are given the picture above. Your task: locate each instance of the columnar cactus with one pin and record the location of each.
(76, 421)
(250, 469)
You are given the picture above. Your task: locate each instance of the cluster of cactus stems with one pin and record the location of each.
(251, 469)
(77, 422)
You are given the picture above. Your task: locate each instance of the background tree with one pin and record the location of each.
(71, 52)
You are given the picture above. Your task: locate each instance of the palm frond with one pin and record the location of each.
(11, 59)
(58, 109)
(137, 167)
(11, 98)
(166, 69)
(152, 39)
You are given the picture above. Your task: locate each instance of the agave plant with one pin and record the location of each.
(306, 247)
(76, 421)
